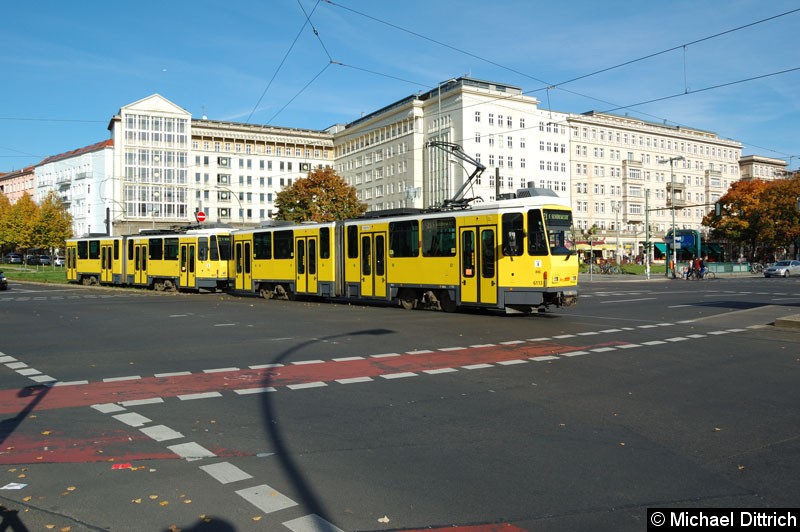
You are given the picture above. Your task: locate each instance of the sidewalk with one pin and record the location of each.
(654, 277)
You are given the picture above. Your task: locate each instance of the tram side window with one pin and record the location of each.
(202, 248)
(130, 249)
(262, 245)
(223, 242)
(324, 243)
(537, 241)
(513, 234)
(116, 249)
(404, 239)
(83, 250)
(94, 249)
(170, 249)
(439, 237)
(284, 241)
(156, 249)
(352, 242)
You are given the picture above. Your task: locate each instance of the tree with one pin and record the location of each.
(742, 218)
(5, 210)
(323, 196)
(779, 201)
(18, 226)
(53, 225)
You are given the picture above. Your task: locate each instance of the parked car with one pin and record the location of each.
(58, 261)
(783, 268)
(32, 260)
(45, 260)
(13, 258)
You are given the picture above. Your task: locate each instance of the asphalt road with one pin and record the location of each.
(129, 410)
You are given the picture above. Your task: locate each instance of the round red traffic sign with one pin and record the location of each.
(201, 216)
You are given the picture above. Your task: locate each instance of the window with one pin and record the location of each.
(537, 243)
(262, 245)
(352, 241)
(324, 243)
(155, 249)
(439, 237)
(404, 239)
(170, 249)
(558, 225)
(487, 252)
(513, 234)
(283, 243)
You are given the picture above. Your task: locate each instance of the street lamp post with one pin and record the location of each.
(647, 234)
(671, 161)
(616, 207)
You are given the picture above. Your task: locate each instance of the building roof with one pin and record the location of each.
(79, 151)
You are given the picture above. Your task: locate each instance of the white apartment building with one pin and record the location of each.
(81, 179)
(759, 167)
(384, 154)
(168, 167)
(625, 172)
(237, 169)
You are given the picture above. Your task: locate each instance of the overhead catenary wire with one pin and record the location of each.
(559, 85)
(280, 65)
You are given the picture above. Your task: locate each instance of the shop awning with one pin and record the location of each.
(661, 247)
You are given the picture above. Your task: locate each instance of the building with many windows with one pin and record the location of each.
(627, 172)
(237, 169)
(169, 166)
(759, 167)
(16, 183)
(627, 179)
(81, 179)
(386, 157)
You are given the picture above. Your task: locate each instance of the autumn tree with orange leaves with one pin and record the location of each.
(759, 214)
(323, 196)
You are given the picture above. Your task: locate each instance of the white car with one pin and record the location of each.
(783, 268)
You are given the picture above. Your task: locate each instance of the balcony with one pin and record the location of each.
(678, 195)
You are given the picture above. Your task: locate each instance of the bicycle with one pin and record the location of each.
(696, 275)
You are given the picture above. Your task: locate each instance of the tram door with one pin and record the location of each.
(478, 264)
(306, 256)
(106, 263)
(71, 257)
(188, 272)
(373, 264)
(244, 272)
(140, 263)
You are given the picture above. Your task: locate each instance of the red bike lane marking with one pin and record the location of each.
(504, 527)
(55, 397)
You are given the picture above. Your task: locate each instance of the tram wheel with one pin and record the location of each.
(266, 293)
(407, 300)
(445, 302)
(159, 286)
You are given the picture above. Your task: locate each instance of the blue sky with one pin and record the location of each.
(67, 67)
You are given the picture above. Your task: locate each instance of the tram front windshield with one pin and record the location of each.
(558, 224)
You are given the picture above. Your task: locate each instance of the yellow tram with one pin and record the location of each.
(185, 259)
(509, 255)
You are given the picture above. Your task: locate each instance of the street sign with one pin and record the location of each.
(201, 216)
